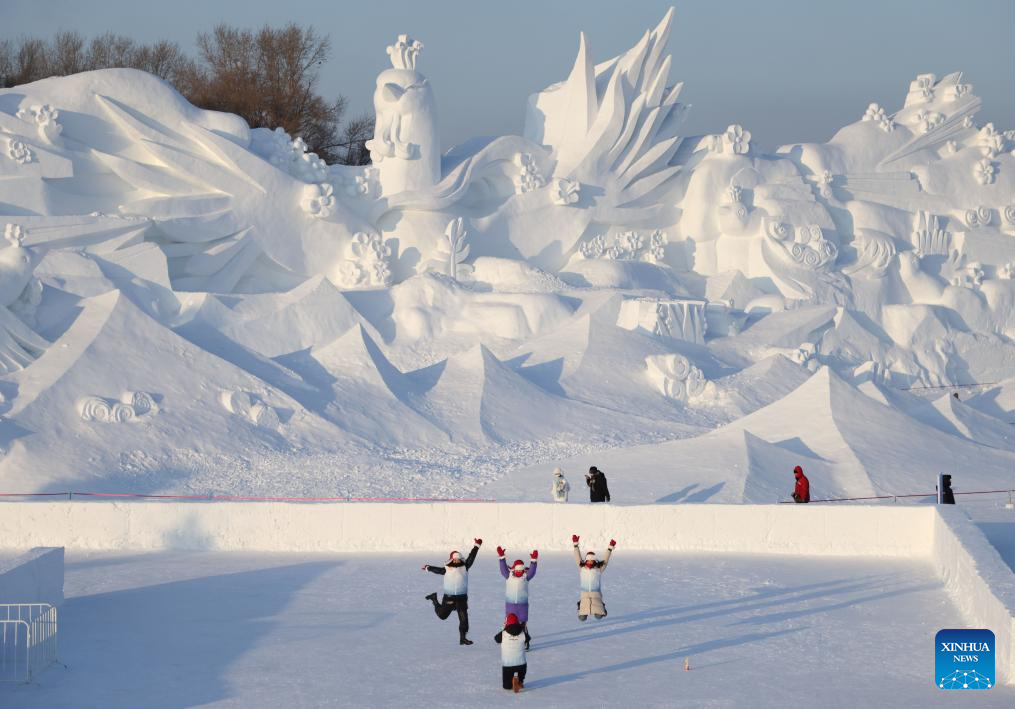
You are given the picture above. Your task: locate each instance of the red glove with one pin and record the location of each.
(534, 555)
(613, 543)
(424, 567)
(500, 551)
(574, 538)
(479, 542)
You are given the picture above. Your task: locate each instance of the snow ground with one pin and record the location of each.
(228, 629)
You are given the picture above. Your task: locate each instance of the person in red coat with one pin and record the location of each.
(802, 491)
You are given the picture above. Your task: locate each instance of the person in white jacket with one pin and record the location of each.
(590, 573)
(456, 589)
(512, 653)
(560, 486)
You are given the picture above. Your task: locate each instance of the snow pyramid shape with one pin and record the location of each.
(368, 395)
(480, 399)
(111, 348)
(723, 466)
(976, 425)
(874, 448)
(788, 328)
(854, 339)
(313, 313)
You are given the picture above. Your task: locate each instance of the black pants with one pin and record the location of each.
(509, 672)
(449, 605)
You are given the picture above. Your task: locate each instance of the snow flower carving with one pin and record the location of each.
(985, 172)
(19, 152)
(349, 274)
(370, 256)
(566, 192)
(925, 86)
(594, 247)
(529, 177)
(927, 121)
(737, 140)
(657, 247)
(46, 119)
(970, 276)
(319, 200)
(990, 141)
(825, 184)
(967, 122)
(877, 114)
(957, 91)
(632, 241)
(735, 194)
(14, 234)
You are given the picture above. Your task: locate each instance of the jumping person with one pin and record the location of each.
(598, 491)
(802, 490)
(456, 589)
(560, 486)
(590, 572)
(512, 653)
(516, 591)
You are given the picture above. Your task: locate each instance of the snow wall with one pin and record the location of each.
(33, 577)
(972, 570)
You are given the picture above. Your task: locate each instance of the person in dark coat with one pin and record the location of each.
(456, 589)
(598, 491)
(512, 653)
(802, 491)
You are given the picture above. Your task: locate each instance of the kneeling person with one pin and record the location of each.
(512, 653)
(590, 572)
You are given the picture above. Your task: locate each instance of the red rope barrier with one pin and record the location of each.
(237, 498)
(896, 497)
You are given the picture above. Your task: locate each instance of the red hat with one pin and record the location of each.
(452, 554)
(518, 562)
(798, 470)
(511, 619)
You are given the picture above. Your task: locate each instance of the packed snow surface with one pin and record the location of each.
(228, 629)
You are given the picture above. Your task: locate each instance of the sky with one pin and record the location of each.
(787, 70)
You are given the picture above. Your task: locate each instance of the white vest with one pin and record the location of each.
(559, 489)
(590, 579)
(456, 581)
(512, 649)
(516, 589)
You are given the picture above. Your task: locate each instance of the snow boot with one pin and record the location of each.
(432, 597)
(516, 684)
(464, 640)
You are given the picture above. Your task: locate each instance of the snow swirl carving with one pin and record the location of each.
(132, 406)
(1009, 214)
(675, 377)
(93, 408)
(981, 216)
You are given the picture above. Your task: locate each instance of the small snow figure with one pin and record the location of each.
(456, 589)
(598, 491)
(512, 653)
(590, 572)
(802, 491)
(516, 591)
(560, 486)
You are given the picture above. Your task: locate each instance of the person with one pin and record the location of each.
(560, 486)
(456, 589)
(512, 654)
(598, 491)
(516, 591)
(802, 491)
(590, 572)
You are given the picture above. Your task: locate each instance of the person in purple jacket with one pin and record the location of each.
(516, 591)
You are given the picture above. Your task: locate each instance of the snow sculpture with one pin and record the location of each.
(877, 114)
(675, 377)
(319, 200)
(566, 191)
(46, 118)
(806, 356)
(875, 252)
(19, 291)
(454, 250)
(529, 177)
(405, 146)
(250, 407)
(132, 406)
(984, 171)
(928, 238)
(673, 319)
(19, 152)
(979, 217)
(736, 140)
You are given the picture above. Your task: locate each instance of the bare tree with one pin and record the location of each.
(268, 77)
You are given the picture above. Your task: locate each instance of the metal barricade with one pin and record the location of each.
(28, 640)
